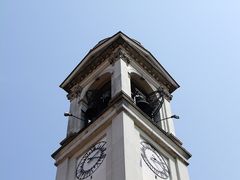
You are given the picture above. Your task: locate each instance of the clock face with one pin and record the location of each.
(155, 161)
(91, 160)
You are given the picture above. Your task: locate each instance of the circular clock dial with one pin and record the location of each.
(91, 160)
(155, 161)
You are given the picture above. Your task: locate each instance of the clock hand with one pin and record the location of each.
(155, 160)
(159, 163)
(89, 159)
(96, 153)
(94, 156)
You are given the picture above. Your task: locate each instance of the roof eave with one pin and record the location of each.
(90, 54)
(139, 48)
(153, 60)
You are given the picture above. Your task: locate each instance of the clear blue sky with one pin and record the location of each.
(197, 41)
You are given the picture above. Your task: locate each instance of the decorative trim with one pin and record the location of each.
(119, 54)
(118, 103)
(166, 93)
(121, 49)
(95, 62)
(147, 66)
(75, 92)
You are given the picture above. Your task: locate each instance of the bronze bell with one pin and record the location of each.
(142, 103)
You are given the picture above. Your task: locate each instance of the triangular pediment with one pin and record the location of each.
(119, 45)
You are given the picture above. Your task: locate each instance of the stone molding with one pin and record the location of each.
(165, 92)
(122, 102)
(119, 54)
(92, 64)
(75, 92)
(120, 49)
(150, 68)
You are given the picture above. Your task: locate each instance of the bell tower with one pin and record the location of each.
(120, 124)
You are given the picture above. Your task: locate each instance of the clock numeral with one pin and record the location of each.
(155, 161)
(91, 160)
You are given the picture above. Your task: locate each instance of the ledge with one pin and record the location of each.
(127, 102)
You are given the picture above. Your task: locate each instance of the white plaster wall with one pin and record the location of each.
(71, 169)
(172, 166)
(125, 149)
(182, 170)
(109, 153)
(62, 170)
(117, 160)
(131, 149)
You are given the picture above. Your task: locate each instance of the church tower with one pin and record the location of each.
(120, 125)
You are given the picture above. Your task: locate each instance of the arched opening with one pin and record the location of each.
(97, 98)
(147, 99)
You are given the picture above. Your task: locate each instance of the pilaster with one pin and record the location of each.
(62, 170)
(74, 124)
(125, 149)
(165, 112)
(182, 170)
(120, 78)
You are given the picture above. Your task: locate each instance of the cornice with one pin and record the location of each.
(92, 64)
(74, 92)
(119, 53)
(144, 62)
(121, 49)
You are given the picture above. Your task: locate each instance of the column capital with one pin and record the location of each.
(75, 92)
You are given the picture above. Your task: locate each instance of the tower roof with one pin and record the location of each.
(103, 51)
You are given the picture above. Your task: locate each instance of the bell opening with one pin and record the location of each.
(97, 101)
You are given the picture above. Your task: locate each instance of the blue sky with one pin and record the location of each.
(198, 42)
